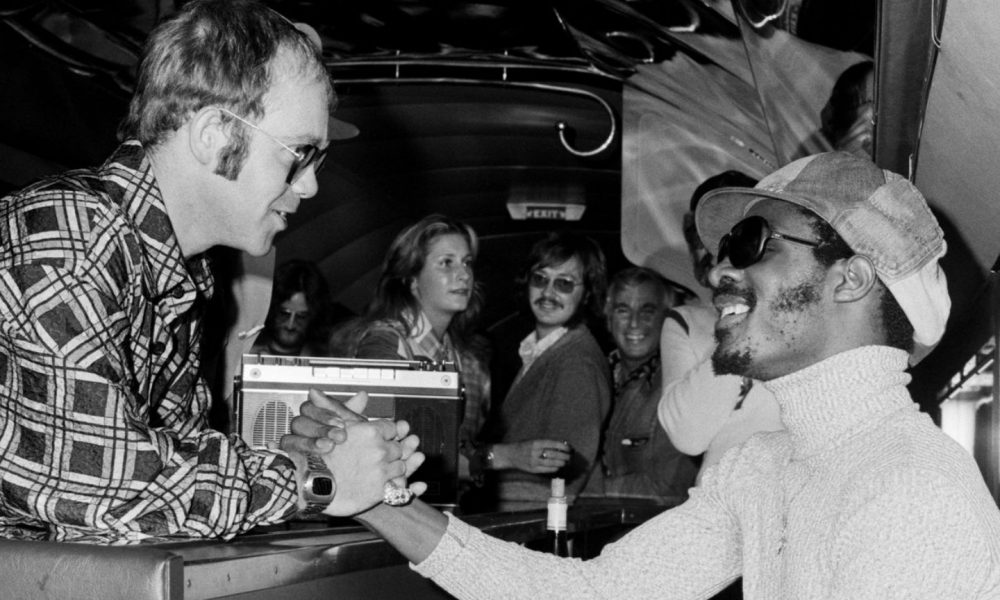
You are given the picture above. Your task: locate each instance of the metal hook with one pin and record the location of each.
(561, 126)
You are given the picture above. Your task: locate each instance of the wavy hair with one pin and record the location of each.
(216, 53)
(557, 248)
(636, 276)
(403, 263)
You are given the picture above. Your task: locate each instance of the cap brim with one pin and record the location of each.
(341, 130)
(722, 208)
(718, 211)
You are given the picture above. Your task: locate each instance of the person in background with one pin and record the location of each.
(104, 280)
(705, 413)
(638, 459)
(551, 420)
(828, 287)
(297, 321)
(848, 119)
(425, 307)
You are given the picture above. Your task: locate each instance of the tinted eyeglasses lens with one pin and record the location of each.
(743, 244)
(560, 284)
(311, 155)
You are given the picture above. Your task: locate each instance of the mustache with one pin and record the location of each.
(553, 301)
(728, 288)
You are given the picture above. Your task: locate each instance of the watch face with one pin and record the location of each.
(319, 486)
(322, 486)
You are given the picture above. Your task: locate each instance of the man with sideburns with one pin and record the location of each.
(104, 281)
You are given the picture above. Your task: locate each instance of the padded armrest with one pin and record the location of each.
(54, 570)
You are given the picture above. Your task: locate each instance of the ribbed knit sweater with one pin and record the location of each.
(861, 498)
(565, 395)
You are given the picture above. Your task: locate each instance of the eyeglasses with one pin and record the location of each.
(746, 241)
(290, 316)
(305, 156)
(563, 285)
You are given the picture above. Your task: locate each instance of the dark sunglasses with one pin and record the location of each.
(563, 285)
(745, 243)
(305, 155)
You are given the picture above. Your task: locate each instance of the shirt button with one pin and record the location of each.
(157, 348)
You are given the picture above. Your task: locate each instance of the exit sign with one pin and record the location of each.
(524, 211)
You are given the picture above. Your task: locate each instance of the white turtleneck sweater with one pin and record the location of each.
(862, 497)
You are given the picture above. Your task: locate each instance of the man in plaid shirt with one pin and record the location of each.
(103, 283)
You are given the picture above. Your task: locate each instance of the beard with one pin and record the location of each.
(290, 340)
(730, 362)
(741, 361)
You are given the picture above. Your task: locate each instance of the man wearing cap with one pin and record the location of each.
(104, 281)
(703, 412)
(827, 285)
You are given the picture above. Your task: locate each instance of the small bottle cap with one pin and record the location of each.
(558, 487)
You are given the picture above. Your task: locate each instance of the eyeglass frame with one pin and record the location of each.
(761, 242)
(540, 281)
(283, 315)
(313, 155)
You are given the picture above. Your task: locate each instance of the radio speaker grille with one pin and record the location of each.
(272, 421)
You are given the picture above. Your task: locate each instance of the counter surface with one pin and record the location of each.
(305, 556)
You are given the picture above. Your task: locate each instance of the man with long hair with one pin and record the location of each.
(298, 319)
(552, 416)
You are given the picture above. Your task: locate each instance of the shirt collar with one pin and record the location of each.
(425, 343)
(170, 276)
(531, 347)
(646, 371)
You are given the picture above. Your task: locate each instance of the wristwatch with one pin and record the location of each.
(318, 486)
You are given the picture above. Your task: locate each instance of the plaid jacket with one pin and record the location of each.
(103, 433)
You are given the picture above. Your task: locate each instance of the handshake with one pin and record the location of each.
(370, 460)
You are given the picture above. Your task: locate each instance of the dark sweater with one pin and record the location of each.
(565, 395)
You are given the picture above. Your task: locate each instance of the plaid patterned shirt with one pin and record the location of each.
(103, 433)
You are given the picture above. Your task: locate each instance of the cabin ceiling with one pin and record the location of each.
(457, 103)
(459, 107)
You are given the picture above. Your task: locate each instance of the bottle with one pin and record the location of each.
(556, 520)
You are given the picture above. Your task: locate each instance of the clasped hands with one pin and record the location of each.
(363, 455)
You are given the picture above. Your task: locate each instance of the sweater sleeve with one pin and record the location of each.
(695, 402)
(912, 539)
(689, 552)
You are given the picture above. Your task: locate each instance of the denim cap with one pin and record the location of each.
(879, 214)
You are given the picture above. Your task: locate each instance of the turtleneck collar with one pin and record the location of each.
(841, 396)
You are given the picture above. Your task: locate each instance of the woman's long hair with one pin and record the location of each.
(403, 262)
